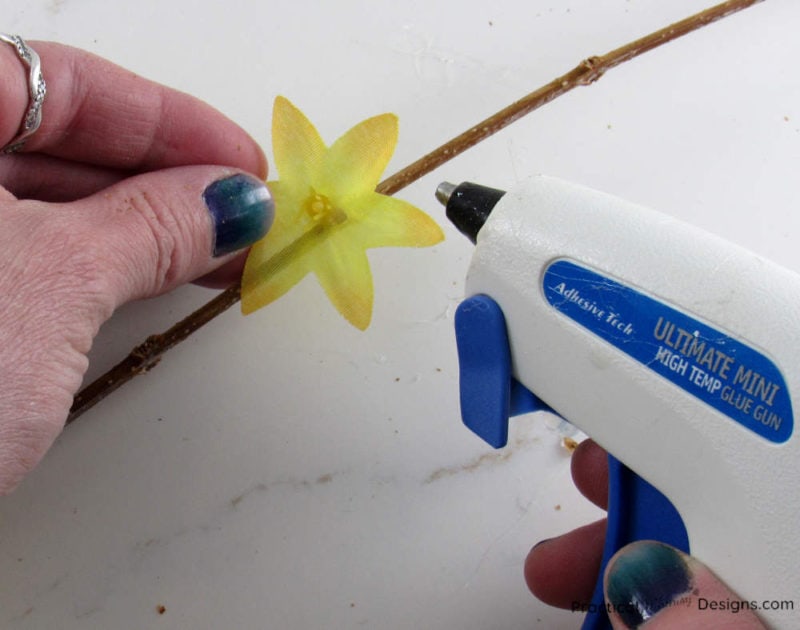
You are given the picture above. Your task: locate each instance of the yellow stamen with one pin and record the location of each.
(322, 211)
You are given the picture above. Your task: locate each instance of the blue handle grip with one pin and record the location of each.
(636, 511)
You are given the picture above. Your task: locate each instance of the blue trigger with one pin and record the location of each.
(636, 511)
(489, 394)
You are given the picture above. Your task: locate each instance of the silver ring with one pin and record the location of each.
(36, 88)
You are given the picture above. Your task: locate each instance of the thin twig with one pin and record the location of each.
(585, 73)
(148, 354)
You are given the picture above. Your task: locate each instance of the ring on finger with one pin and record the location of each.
(36, 90)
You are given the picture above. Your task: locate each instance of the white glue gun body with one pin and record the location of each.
(676, 351)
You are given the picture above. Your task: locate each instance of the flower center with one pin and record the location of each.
(322, 211)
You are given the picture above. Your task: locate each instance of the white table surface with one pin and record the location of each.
(287, 471)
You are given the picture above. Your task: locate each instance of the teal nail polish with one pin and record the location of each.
(242, 211)
(644, 579)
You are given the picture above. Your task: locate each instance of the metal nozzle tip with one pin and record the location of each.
(444, 191)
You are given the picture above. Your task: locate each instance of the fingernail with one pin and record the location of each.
(242, 211)
(644, 579)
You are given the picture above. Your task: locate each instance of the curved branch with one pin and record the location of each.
(146, 355)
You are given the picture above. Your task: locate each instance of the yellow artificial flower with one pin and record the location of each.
(328, 214)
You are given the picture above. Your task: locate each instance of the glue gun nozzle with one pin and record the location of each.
(444, 191)
(468, 205)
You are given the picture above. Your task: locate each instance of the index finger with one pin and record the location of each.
(590, 472)
(101, 114)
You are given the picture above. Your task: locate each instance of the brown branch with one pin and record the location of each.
(148, 354)
(585, 73)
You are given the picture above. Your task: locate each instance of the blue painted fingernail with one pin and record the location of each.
(644, 579)
(242, 211)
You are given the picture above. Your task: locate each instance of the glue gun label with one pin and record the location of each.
(723, 372)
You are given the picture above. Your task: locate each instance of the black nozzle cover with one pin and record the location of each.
(470, 205)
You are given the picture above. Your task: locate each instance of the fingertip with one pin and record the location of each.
(649, 581)
(242, 211)
(589, 467)
(262, 164)
(537, 560)
(235, 147)
(562, 571)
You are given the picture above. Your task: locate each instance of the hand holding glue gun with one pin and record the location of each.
(672, 590)
(675, 351)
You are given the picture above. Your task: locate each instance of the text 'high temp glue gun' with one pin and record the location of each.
(676, 351)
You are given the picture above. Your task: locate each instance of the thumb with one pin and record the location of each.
(156, 231)
(648, 581)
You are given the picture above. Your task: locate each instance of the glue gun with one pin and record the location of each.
(673, 349)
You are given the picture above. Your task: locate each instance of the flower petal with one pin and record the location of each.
(356, 161)
(288, 215)
(331, 240)
(276, 262)
(262, 285)
(296, 144)
(390, 222)
(346, 278)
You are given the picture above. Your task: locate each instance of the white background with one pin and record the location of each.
(287, 471)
